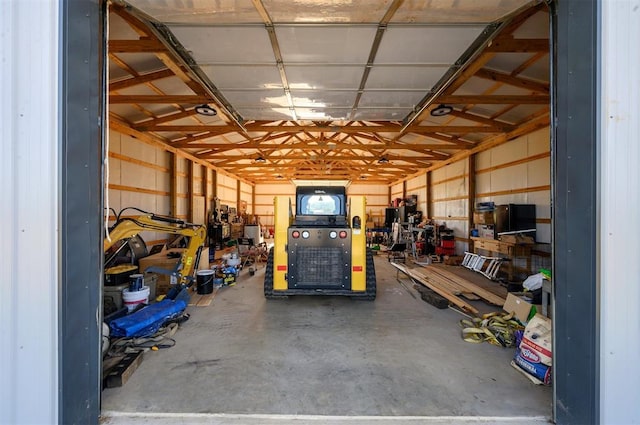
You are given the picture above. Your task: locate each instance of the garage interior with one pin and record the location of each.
(440, 108)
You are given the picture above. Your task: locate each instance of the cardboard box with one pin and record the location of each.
(486, 231)
(113, 294)
(519, 305)
(517, 239)
(484, 217)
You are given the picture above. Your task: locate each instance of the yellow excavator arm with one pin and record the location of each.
(130, 226)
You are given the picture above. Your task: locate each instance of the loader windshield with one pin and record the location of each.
(320, 205)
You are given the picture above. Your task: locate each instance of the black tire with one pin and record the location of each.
(268, 279)
(371, 290)
(268, 276)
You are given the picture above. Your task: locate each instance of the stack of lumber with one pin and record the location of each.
(451, 286)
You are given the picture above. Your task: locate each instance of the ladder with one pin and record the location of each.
(487, 266)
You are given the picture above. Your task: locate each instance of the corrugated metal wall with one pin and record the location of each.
(30, 181)
(619, 199)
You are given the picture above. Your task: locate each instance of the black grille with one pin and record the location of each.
(320, 266)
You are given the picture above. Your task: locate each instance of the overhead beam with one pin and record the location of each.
(418, 129)
(306, 146)
(510, 80)
(135, 46)
(495, 99)
(519, 45)
(141, 79)
(159, 99)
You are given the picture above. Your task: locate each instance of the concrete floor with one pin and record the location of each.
(331, 360)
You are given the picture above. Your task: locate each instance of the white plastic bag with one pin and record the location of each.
(533, 282)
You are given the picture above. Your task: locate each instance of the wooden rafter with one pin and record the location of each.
(324, 148)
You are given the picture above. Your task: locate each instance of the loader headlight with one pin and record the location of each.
(305, 234)
(333, 234)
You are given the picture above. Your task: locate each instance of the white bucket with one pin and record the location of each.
(132, 299)
(233, 262)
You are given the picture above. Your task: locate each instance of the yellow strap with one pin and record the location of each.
(495, 328)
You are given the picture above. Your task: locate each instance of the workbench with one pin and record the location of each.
(508, 250)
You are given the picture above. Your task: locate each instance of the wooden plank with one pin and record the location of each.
(454, 300)
(471, 287)
(427, 273)
(456, 288)
(441, 282)
(118, 375)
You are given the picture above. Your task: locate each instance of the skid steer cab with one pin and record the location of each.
(322, 250)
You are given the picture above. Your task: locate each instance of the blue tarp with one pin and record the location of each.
(148, 320)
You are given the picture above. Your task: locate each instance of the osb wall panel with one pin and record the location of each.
(519, 172)
(246, 194)
(396, 191)
(138, 177)
(182, 188)
(377, 198)
(449, 201)
(264, 200)
(418, 186)
(198, 182)
(227, 190)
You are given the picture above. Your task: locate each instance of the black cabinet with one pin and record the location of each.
(515, 217)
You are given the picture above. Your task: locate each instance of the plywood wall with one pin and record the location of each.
(138, 177)
(265, 193)
(450, 200)
(145, 176)
(227, 190)
(377, 199)
(518, 171)
(418, 186)
(182, 188)
(397, 191)
(246, 195)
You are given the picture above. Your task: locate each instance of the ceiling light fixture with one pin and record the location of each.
(260, 159)
(383, 160)
(441, 110)
(206, 110)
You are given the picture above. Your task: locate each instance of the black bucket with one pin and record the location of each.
(204, 279)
